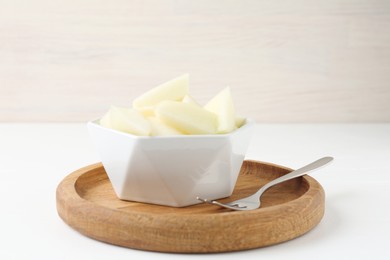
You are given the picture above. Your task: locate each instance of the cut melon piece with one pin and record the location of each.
(222, 105)
(146, 111)
(240, 121)
(129, 120)
(190, 100)
(174, 89)
(187, 118)
(106, 120)
(159, 128)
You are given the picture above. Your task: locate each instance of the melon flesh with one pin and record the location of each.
(146, 111)
(174, 89)
(106, 120)
(222, 105)
(190, 100)
(159, 128)
(168, 109)
(128, 120)
(240, 121)
(187, 118)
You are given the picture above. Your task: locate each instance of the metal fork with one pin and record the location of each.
(253, 202)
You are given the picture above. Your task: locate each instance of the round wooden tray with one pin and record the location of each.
(87, 203)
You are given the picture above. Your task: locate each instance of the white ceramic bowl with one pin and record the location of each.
(171, 170)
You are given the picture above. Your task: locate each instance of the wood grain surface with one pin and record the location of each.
(87, 202)
(286, 61)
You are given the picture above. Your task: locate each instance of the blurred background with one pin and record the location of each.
(285, 61)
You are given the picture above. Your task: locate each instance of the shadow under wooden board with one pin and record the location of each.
(86, 201)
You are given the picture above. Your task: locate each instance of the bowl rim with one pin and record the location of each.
(248, 123)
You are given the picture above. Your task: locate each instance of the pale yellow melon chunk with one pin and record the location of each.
(240, 121)
(190, 100)
(187, 118)
(159, 128)
(129, 120)
(222, 105)
(105, 120)
(146, 111)
(174, 89)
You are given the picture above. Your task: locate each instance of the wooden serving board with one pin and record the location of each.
(87, 203)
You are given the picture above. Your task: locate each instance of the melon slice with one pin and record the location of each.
(128, 120)
(190, 100)
(174, 89)
(159, 128)
(106, 120)
(146, 111)
(222, 105)
(240, 121)
(187, 118)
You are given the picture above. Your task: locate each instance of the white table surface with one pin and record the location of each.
(34, 158)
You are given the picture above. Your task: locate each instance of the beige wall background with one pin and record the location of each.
(286, 61)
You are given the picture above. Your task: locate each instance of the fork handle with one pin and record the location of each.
(297, 173)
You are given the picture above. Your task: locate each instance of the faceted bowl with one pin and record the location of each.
(171, 170)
